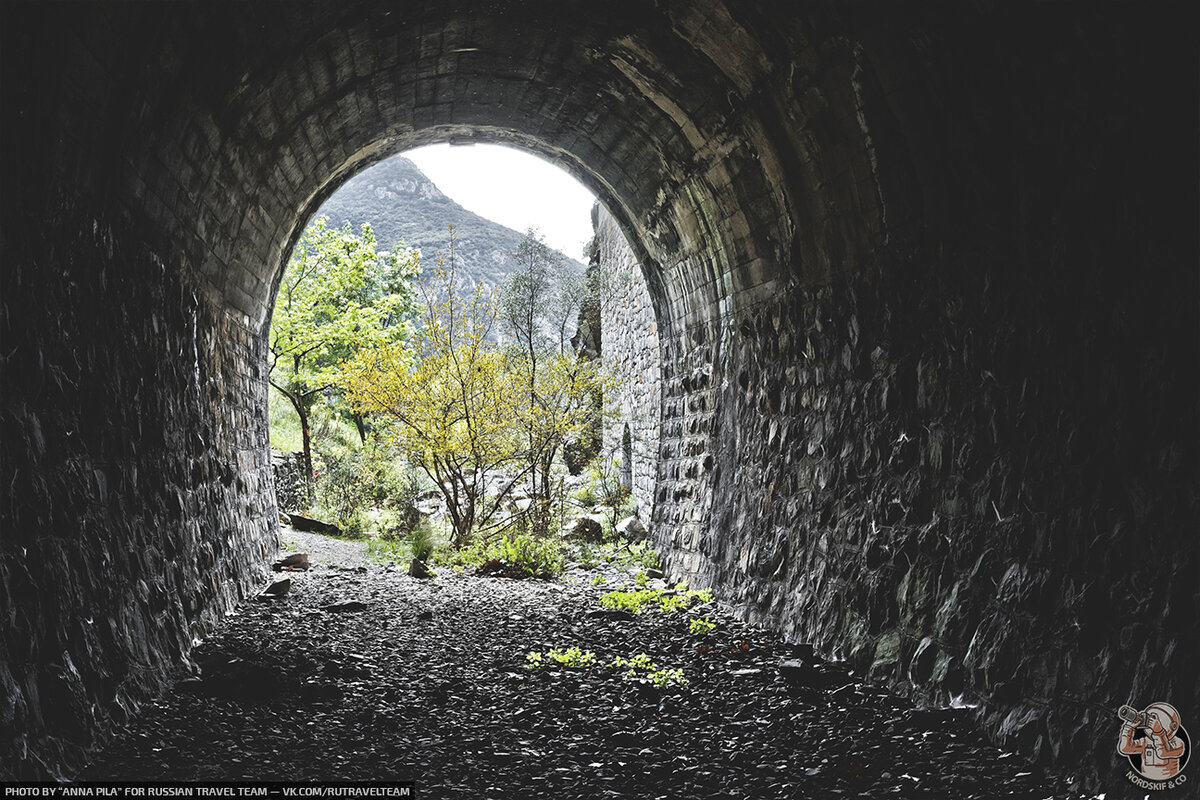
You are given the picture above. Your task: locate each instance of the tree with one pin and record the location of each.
(467, 409)
(337, 296)
(448, 398)
(537, 304)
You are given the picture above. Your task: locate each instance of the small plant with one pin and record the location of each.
(381, 550)
(641, 580)
(587, 558)
(638, 600)
(642, 555)
(529, 556)
(672, 603)
(598, 579)
(640, 667)
(421, 542)
(700, 627)
(571, 658)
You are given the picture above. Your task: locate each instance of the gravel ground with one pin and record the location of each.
(427, 681)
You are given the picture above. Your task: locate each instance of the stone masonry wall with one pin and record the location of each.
(140, 511)
(972, 472)
(629, 347)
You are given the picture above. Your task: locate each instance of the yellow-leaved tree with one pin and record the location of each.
(477, 417)
(447, 396)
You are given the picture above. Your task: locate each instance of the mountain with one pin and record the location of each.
(403, 205)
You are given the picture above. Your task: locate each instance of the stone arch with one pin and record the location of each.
(924, 319)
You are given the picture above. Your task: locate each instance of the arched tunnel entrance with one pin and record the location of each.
(925, 285)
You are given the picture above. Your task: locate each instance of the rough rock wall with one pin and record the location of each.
(971, 468)
(140, 505)
(629, 337)
(941, 495)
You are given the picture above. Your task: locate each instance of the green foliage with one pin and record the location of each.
(284, 425)
(644, 555)
(641, 579)
(585, 496)
(701, 626)
(598, 579)
(554, 388)
(519, 555)
(353, 479)
(421, 541)
(640, 667)
(640, 600)
(337, 296)
(587, 557)
(384, 550)
(530, 556)
(670, 603)
(571, 658)
(464, 408)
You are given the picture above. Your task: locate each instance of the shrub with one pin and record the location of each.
(421, 542)
(529, 556)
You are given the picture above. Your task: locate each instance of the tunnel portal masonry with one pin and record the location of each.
(914, 409)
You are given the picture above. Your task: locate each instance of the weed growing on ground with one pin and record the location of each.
(598, 579)
(700, 627)
(530, 556)
(521, 555)
(635, 555)
(384, 550)
(587, 558)
(421, 541)
(640, 667)
(571, 658)
(638, 601)
(641, 579)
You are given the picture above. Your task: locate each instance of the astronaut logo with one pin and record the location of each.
(1156, 743)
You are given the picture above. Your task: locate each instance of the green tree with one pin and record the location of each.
(537, 304)
(337, 296)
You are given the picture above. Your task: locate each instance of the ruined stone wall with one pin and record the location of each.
(629, 348)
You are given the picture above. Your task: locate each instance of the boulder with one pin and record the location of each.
(303, 523)
(632, 529)
(291, 562)
(419, 569)
(279, 588)
(586, 529)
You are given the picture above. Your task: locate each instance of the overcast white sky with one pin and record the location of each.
(514, 188)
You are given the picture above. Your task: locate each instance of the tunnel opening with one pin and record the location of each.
(857, 226)
(600, 312)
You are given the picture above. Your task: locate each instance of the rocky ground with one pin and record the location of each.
(363, 673)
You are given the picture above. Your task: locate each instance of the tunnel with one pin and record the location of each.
(925, 279)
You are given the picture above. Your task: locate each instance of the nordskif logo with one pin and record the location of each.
(1156, 744)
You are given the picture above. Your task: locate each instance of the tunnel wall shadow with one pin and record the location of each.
(926, 293)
